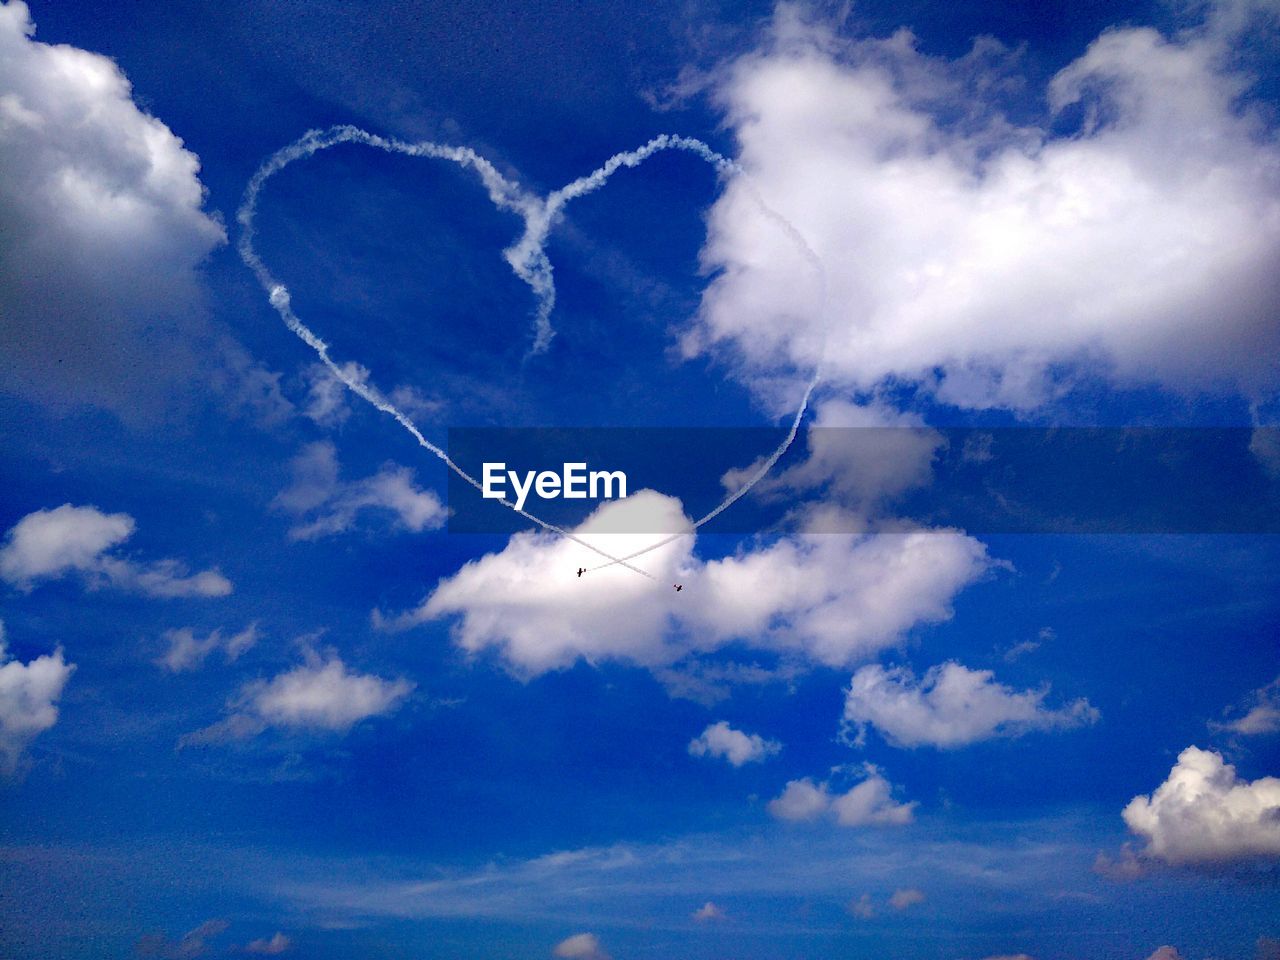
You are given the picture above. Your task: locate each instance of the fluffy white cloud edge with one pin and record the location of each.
(580, 946)
(983, 260)
(827, 598)
(1204, 813)
(101, 210)
(868, 803)
(737, 747)
(29, 694)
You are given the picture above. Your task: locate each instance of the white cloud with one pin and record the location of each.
(100, 208)
(277, 944)
(1165, 953)
(800, 801)
(868, 803)
(48, 544)
(326, 402)
(736, 746)
(321, 694)
(906, 897)
(580, 946)
(1262, 716)
(331, 506)
(871, 803)
(982, 260)
(708, 913)
(29, 695)
(825, 598)
(325, 695)
(187, 651)
(1203, 813)
(951, 706)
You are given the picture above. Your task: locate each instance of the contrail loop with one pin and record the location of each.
(527, 257)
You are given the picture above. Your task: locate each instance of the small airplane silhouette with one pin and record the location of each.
(678, 586)
(581, 571)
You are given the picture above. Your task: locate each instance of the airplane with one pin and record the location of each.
(581, 571)
(678, 586)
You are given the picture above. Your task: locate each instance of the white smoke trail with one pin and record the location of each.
(501, 192)
(527, 257)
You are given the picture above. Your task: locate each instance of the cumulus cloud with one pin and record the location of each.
(829, 598)
(1165, 953)
(1134, 230)
(580, 946)
(735, 746)
(101, 211)
(326, 505)
(48, 544)
(950, 706)
(321, 694)
(906, 897)
(272, 946)
(868, 803)
(708, 913)
(1204, 814)
(1262, 715)
(186, 651)
(29, 694)
(801, 800)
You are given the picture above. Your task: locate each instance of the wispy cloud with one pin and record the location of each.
(1260, 717)
(320, 695)
(49, 544)
(326, 505)
(951, 706)
(186, 651)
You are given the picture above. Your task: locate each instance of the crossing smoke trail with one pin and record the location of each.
(527, 258)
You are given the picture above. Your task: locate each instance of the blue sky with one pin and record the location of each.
(257, 698)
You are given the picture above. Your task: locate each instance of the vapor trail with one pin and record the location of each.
(503, 193)
(527, 258)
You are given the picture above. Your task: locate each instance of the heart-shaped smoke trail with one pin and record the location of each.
(527, 257)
